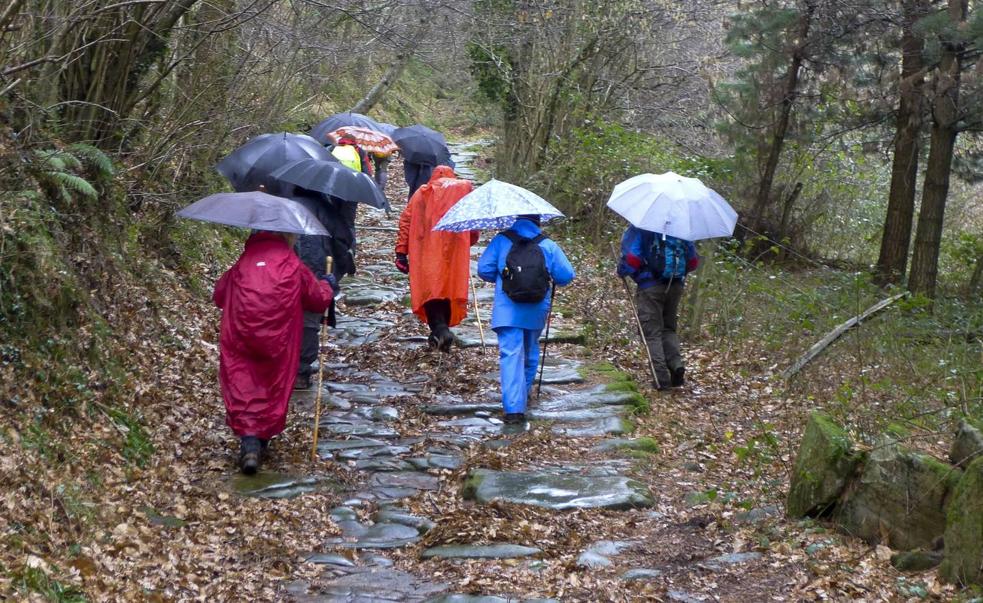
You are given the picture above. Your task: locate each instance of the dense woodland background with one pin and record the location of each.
(846, 132)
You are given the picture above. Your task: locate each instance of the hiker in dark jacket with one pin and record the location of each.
(338, 217)
(659, 265)
(418, 174)
(518, 325)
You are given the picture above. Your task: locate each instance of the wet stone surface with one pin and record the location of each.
(491, 551)
(552, 490)
(268, 484)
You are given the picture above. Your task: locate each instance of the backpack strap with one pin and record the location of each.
(516, 237)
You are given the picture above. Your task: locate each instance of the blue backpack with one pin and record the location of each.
(667, 258)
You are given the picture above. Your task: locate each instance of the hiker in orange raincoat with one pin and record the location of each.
(263, 297)
(439, 263)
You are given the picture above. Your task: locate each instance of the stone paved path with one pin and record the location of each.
(400, 452)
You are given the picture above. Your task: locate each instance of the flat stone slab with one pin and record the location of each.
(478, 426)
(596, 555)
(373, 584)
(365, 430)
(555, 490)
(385, 536)
(491, 551)
(405, 479)
(590, 398)
(641, 574)
(355, 331)
(269, 484)
(556, 372)
(330, 559)
(373, 296)
(607, 426)
(575, 415)
(451, 410)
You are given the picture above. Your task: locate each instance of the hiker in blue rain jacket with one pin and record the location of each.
(518, 325)
(660, 275)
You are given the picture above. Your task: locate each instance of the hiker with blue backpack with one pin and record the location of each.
(525, 266)
(659, 264)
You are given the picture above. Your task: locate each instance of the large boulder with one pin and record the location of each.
(964, 529)
(825, 463)
(968, 444)
(899, 499)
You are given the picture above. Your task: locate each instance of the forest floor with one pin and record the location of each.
(605, 495)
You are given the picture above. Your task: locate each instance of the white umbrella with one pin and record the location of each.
(673, 205)
(494, 206)
(255, 210)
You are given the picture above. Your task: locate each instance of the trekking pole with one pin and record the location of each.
(542, 362)
(638, 321)
(477, 315)
(328, 269)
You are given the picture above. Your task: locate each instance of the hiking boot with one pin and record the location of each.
(445, 340)
(678, 377)
(264, 449)
(515, 418)
(249, 453)
(303, 381)
(663, 384)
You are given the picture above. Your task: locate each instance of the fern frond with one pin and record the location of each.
(94, 157)
(51, 160)
(74, 183)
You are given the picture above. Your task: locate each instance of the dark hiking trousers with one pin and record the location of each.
(658, 311)
(438, 315)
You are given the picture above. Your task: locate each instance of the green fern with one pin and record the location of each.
(95, 158)
(74, 183)
(59, 160)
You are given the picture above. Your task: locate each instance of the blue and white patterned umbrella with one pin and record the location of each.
(494, 206)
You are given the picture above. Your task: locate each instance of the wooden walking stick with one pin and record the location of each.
(328, 268)
(638, 321)
(477, 315)
(542, 361)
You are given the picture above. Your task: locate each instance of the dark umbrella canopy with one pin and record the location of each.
(255, 210)
(332, 178)
(250, 165)
(340, 120)
(420, 144)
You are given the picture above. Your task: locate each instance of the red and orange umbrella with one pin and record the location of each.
(373, 142)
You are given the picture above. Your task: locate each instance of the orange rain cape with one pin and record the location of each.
(440, 262)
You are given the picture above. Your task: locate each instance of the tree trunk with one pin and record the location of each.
(893, 260)
(790, 92)
(388, 79)
(945, 114)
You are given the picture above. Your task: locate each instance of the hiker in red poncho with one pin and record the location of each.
(439, 263)
(263, 297)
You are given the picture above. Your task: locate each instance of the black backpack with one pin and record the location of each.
(525, 278)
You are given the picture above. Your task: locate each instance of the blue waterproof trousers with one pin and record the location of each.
(518, 354)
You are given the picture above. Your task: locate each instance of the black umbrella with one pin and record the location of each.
(250, 166)
(339, 120)
(420, 144)
(255, 210)
(332, 178)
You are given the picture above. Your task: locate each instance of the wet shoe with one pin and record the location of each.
(678, 377)
(249, 453)
(515, 418)
(446, 340)
(302, 382)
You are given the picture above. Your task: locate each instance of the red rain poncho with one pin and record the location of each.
(262, 297)
(440, 262)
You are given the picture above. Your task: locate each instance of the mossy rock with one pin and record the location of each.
(916, 561)
(968, 444)
(963, 562)
(900, 496)
(825, 463)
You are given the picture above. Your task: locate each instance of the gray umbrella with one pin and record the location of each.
(347, 118)
(332, 179)
(255, 210)
(250, 166)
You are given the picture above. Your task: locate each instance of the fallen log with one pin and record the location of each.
(832, 336)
